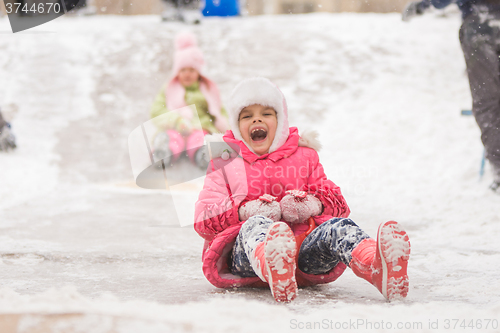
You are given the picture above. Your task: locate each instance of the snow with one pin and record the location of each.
(385, 96)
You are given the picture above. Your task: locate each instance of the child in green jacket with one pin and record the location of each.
(182, 128)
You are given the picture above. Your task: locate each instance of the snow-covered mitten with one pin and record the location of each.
(266, 206)
(384, 262)
(274, 261)
(297, 206)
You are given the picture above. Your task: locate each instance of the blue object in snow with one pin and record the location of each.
(483, 159)
(221, 8)
(483, 162)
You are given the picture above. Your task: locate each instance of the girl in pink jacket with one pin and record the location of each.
(270, 216)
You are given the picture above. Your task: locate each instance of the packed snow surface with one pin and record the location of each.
(385, 96)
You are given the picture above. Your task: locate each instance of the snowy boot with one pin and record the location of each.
(201, 158)
(384, 263)
(195, 149)
(274, 261)
(495, 186)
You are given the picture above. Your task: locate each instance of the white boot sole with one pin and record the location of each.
(280, 252)
(394, 250)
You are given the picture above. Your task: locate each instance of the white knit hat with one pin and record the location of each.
(259, 90)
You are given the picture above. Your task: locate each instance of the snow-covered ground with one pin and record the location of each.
(385, 96)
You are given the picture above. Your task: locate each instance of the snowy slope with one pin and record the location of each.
(385, 97)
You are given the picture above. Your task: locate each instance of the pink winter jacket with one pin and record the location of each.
(233, 183)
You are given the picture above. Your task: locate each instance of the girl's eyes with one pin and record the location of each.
(265, 114)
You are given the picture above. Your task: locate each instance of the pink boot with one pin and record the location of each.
(276, 260)
(176, 144)
(384, 263)
(194, 141)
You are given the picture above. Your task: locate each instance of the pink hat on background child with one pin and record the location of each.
(187, 54)
(259, 90)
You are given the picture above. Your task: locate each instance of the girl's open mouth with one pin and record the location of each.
(258, 134)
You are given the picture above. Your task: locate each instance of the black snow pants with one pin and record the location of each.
(480, 40)
(330, 243)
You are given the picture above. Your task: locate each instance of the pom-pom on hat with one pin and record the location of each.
(259, 90)
(187, 53)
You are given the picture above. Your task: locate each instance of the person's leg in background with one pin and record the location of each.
(171, 11)
(480, 42)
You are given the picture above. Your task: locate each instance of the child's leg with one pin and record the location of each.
(176, 144)
(194, 142)
(330, 243)
(168, 146)
(195, 148)
(267, 248)
(383, 263)
(252, 233)
(170, 12)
